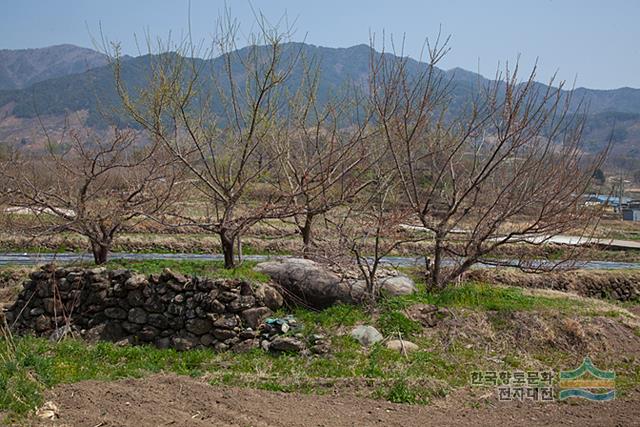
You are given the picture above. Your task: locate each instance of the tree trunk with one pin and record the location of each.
(227, 243)
(239, 239)
(100, 252)
(306, 231)
(436, 267)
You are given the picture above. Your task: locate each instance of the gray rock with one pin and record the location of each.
(220, 346)
(254, 316)
(148, 333)
(227, 296)
(269, 296)
(115, 313)
(207, 339)
(402, 346)
(131, 328)
(398, 285)
(198, 326)
(53, 305)
(242, 303)
(137, 315)
(183, 344)
(286, 344)
(168, 275)
(135, 298)
(246, 346)
(226, 322)
(36, 311)
(223, 334)
(158, 320)
(60, 333)
(366, 335)
(136, 281)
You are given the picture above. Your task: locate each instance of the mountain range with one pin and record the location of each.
(53, 84)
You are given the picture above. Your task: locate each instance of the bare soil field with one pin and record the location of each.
(161, 400)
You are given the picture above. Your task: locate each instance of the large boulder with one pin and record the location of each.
(309, 283)
(306, 282)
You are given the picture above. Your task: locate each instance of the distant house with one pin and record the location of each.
(611, 201)
(631, 214)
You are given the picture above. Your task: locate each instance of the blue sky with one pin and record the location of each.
(596, 42)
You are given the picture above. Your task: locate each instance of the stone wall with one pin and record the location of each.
(618, 285)
(168, 309)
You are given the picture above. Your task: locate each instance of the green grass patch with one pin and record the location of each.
(485, 296)
(393, 323)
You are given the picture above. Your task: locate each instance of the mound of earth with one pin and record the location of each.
(173, 400)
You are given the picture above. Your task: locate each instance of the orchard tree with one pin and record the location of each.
(216, 117)
(94, 185)
(322, 160)
(508, 168)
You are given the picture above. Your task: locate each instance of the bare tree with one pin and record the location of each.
(215, 117)
(509, 168)
(321, 154)
(97, 186)
(369, 227)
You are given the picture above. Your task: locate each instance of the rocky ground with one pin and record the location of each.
(162, 400)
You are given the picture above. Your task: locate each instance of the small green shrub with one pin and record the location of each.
(393, 322)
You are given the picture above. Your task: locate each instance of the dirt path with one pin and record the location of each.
(169, 400)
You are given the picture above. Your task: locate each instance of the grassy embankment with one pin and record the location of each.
(477, 335)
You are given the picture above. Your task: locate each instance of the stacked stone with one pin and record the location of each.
(168, 310)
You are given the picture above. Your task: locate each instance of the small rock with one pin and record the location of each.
(136, 281)
(398, 285)
(115, 313)
(227, 296)
(60, 333)
(220, 346)
(321, 347)
(158, 320)
(42, 323)
(97, 271)
(168, 275)
(246, 346)
(48, 411)
(226, 322)
(254, 316)
(248, 334)
(223, 334)
(207, 339)
(137, 315)
(269, 296)
(366, 335)
(402, 346)
(288, 344)
(148, 333)
(198, 326)
(36, 311)
(182, 344)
